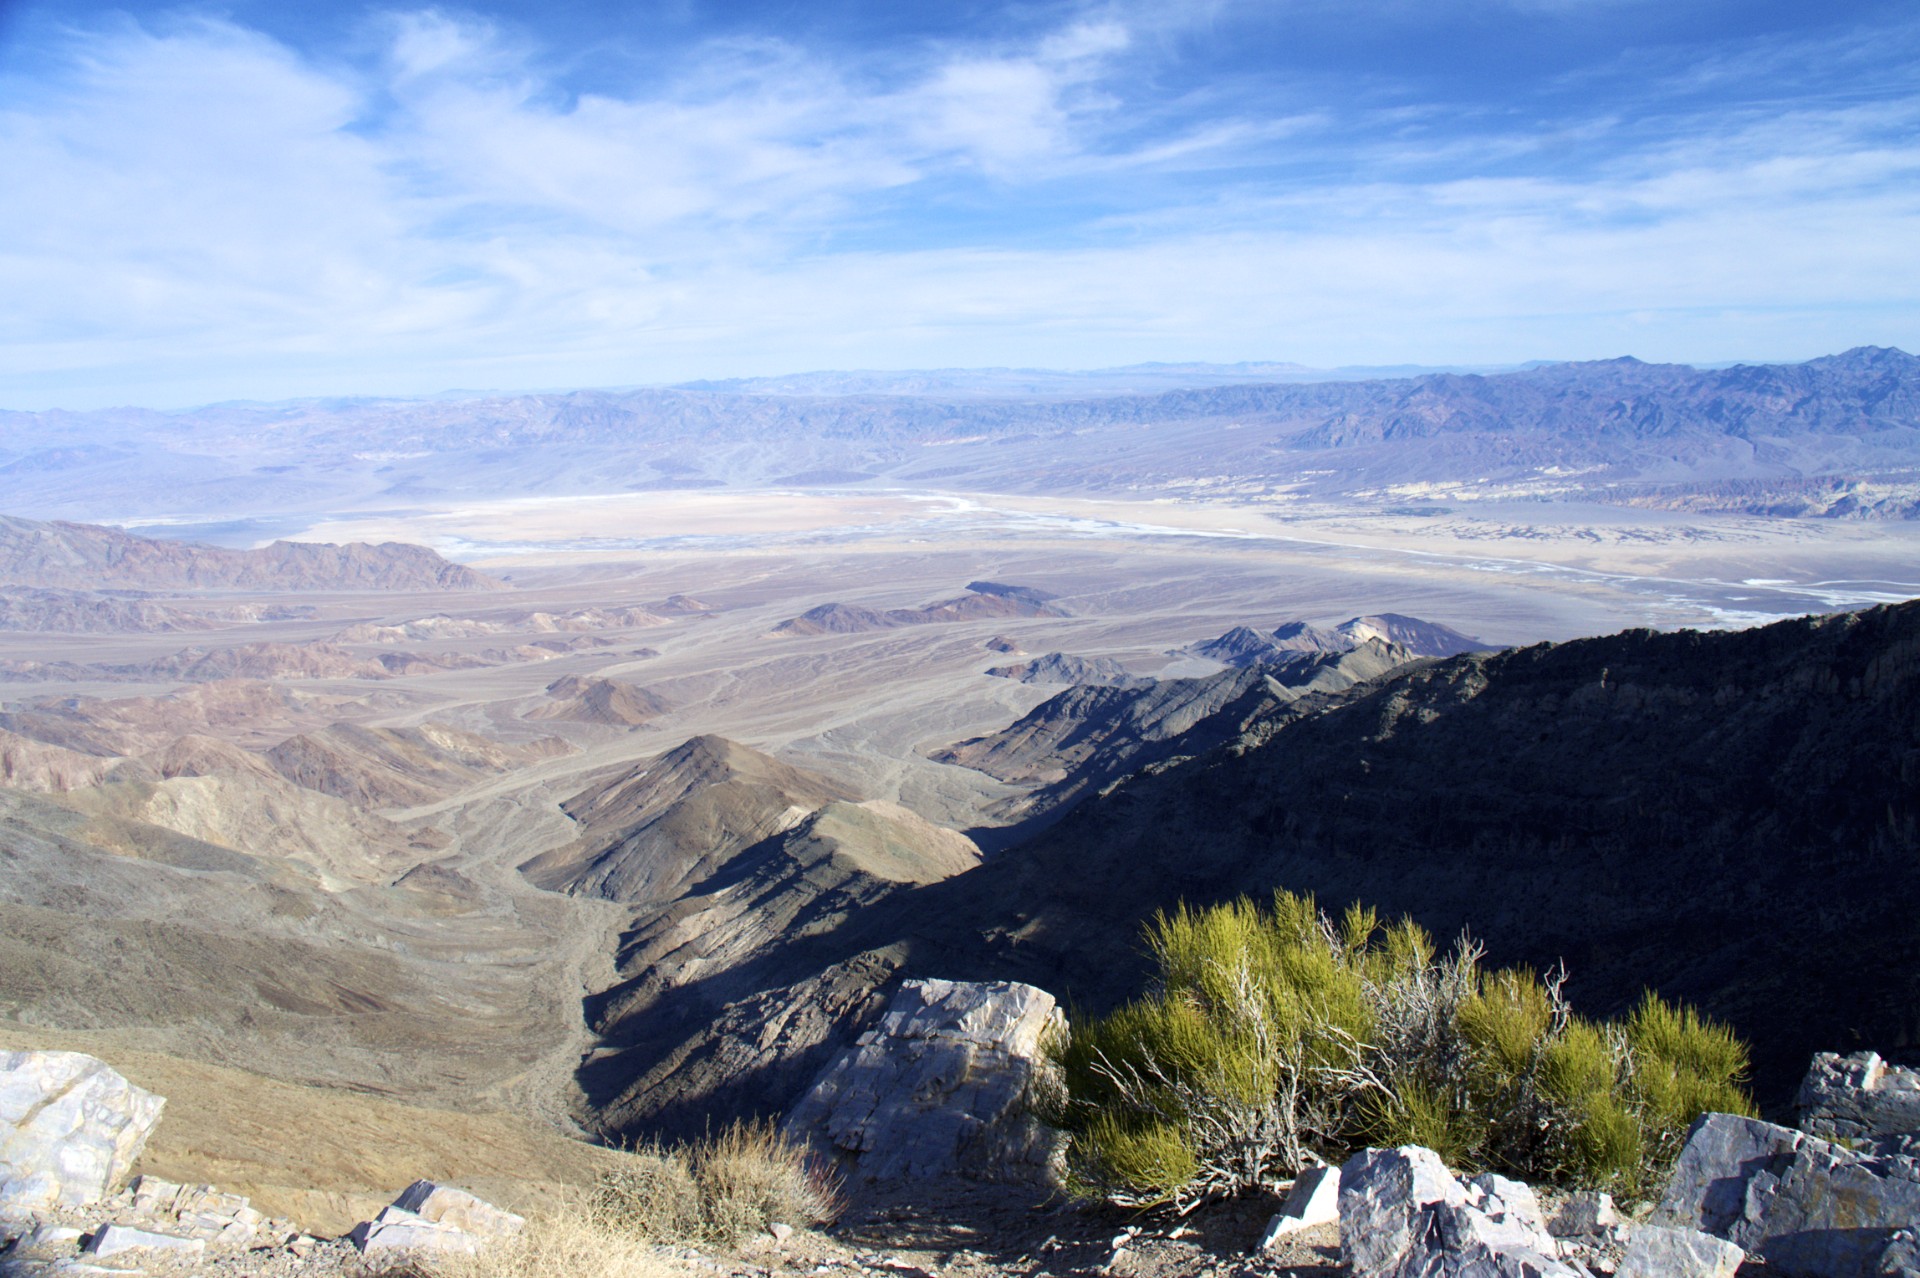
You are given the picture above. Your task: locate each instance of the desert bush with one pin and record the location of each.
(717, 1190)
(1274, 1039)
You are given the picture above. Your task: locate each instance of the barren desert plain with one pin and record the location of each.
(265, 855)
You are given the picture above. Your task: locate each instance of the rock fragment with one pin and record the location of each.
(1586, 1214)
(1313, 1200)
(1659, 1251)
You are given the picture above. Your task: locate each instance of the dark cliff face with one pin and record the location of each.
(1730, 819)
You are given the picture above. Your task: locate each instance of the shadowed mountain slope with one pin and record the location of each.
(1084, 738)
(1732, 819)
(1061, 667)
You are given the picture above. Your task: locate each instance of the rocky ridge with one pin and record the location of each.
(63, 555)
(994, 601)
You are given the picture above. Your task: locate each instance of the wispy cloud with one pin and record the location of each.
(199, 211)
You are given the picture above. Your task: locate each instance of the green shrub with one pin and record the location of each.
(1274, 1039)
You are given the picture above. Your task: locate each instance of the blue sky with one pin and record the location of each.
(272, 200)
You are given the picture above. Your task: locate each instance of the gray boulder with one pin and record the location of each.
(938, 1086)
(1810, 1208)
(70, 1128)
(1858, 1097)
(1403, 1215)
(1659, 1251)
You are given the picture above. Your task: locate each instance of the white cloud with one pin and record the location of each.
(203, 214)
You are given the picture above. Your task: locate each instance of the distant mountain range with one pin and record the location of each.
(82, 556)
(1835, 436)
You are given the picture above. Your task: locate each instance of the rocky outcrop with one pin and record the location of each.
(1860, 1097)
(1294, 640)
(1000, 601)
(612, 702)
(156, 1215)
(70, 1128)
(1403, 1215)
(937, 1086)
(1059, 667)
(428, 1220)
(1808, 1207)
(1313, 1199)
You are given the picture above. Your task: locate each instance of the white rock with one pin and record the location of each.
(781, 1232)
(395, 1234)
(1658, 1251)
(938, 1085)
(445, 1205)
(1313, 1200)
(1585, 1215)
(1403, 1215)
(70, 1128)
(1514, 1218)
(111, 1240)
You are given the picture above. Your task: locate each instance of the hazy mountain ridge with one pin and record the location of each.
(1560, 430)
(84, 556)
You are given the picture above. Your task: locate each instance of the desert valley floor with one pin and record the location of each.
(374, 991)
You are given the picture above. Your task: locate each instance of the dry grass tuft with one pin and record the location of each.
(716, 1192)
(578, 1240)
